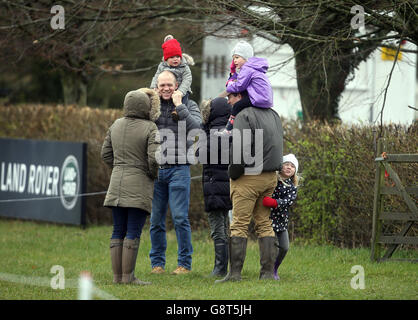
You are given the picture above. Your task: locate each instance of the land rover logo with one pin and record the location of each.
(70, 182)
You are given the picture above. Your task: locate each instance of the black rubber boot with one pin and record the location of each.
(268, 253)
(237, 252)
(221, 259)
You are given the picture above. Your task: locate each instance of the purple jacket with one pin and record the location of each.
(252, 77)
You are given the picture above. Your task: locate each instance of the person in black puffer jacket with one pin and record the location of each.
(215, 179)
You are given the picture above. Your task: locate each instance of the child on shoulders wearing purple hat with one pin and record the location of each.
(248, 74)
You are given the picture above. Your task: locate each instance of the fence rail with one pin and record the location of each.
(379, 214)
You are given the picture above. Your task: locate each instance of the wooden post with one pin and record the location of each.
(377, 207)
(392, 241)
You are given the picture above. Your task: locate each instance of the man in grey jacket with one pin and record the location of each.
(172, 187)
(256, 155)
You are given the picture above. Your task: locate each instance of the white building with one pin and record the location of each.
(361, 101)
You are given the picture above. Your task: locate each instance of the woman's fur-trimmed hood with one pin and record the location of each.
(215, 111)
(143, 103)
(205, 110)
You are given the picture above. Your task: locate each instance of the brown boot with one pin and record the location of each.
(268, 253)
(237, 252)
(116, 247)
(129, 254)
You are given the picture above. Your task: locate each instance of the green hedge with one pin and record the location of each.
(337, 167)
(335, 200)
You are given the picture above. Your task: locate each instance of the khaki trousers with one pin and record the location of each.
(247, 193)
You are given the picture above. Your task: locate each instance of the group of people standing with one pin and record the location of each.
(141, 184)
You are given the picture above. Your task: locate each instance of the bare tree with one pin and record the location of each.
(327, 43)
(329, 38)
(80, 38)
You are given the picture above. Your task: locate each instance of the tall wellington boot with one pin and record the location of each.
(268, 253)
(237, 252)
(116, 247)
(221, 259)
(129, 255)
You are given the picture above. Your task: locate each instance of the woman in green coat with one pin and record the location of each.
(130, 150)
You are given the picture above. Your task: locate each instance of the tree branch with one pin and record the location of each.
(386, 90)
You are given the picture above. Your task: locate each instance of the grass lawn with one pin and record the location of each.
(29, 250)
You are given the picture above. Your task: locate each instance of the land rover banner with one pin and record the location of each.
(43, 180)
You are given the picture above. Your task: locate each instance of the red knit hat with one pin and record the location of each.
(171, 48)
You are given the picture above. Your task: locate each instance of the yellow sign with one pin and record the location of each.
(389, 54)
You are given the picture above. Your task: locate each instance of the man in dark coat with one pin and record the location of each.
(251, 182)
(172, 186)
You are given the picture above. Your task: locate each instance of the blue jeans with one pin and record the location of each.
(171, 189)
(128, 222)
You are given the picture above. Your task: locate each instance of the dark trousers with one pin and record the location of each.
(237, 108)
(128, 222)
(185, 98)
(241, 105)
(283, 240)
(219, 225)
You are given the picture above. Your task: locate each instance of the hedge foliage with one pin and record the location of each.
(335, 199)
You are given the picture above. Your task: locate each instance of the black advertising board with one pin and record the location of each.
(42, 180)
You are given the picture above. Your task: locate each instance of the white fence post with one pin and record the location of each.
(85, 286)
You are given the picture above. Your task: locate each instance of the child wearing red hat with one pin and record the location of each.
(178, 63)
